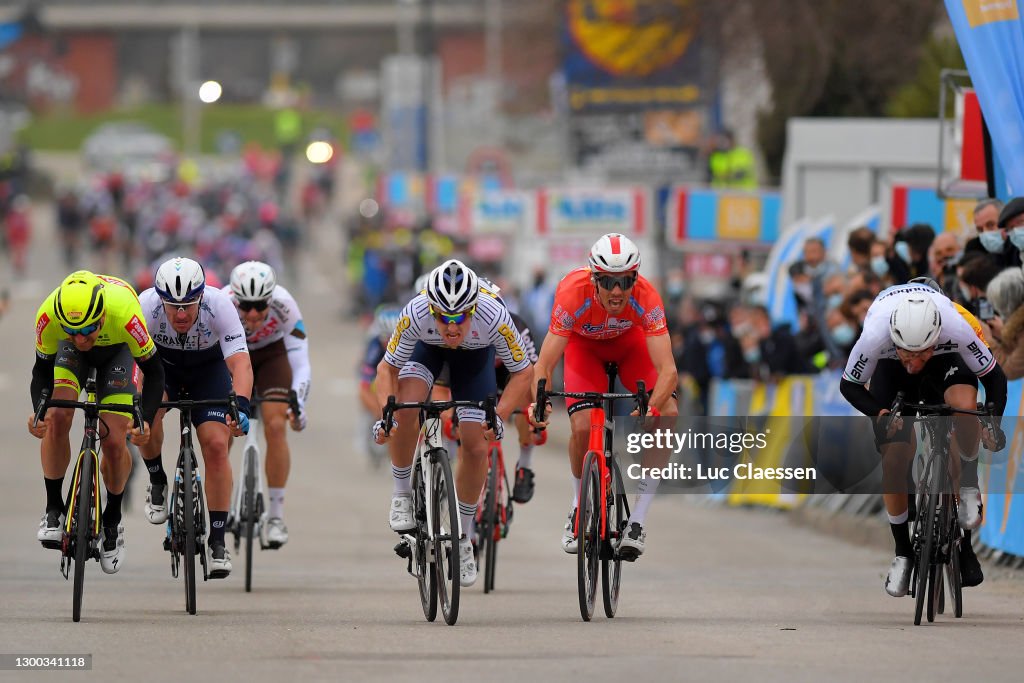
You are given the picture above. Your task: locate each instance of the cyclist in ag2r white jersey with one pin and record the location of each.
(915, 341)
(276, 336)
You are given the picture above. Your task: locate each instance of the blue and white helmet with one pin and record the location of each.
(385, 320)
(180, 280)
(453, 287)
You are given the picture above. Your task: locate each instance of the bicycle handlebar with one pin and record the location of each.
(231, 402)
(985, 412)
(45, 402)
(435, 408)
(641, 397)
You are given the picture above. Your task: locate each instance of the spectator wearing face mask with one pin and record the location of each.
(992, 237)
(1006, 292)
(975, 276)
(880, 258)
(911, 247)
(1011, 219)
(944, 257)
(770, 352)
(859, 243)
(842, 333)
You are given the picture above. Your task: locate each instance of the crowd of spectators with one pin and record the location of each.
(738, 340)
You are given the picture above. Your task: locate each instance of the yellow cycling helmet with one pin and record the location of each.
(79, 302)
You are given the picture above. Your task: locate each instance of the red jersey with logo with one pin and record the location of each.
(577, 310)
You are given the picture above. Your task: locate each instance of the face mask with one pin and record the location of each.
(879, 266)
(675, 288)
(902, 250)
(835, 300)
(965, 291)
(707, 337)
(993, 241)
(1017, 237)
(844, 334)
(752, 355)
(804, 290)
(814, 271)
(742, 330)
(953, 261)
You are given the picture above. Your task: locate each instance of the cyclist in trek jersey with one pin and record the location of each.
(279, 348)
(915, 341)
(456, 321)
(203, 350)
(92, 321)
(608, 312)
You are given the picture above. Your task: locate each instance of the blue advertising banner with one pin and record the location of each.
(991, 38)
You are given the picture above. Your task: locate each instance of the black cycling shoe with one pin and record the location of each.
(522, 491)
(970, 569)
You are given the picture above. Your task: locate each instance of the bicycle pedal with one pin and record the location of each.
(52, 545)
(403, 550)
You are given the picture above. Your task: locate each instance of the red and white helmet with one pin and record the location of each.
(614, 253)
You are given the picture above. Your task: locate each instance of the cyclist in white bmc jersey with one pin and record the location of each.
(276, 336)
(915, 341)
(203, 353)
(457, 321)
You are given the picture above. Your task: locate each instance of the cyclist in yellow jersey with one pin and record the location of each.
(92, 321)
(972, 321)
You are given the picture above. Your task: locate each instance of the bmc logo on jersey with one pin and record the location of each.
(41, 324)
(510, 339)
(137, 329)
(858, 367)
(402, 326)
(978, 353)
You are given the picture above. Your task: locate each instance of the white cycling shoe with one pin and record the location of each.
(897, 582)
(970, 512)
(467, 563)
(112, 549)
(569, 543)
(401, 517)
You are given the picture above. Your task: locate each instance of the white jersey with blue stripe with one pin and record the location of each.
(956, 335)
(491, 325)
(216, 330)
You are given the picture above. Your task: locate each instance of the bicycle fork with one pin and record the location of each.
(67, 551)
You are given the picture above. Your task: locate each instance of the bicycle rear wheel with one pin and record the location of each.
(588, 541)
(188, 515)
(956, 593)
(83, 528)
(923, 561)
(445, 514)
(249, 518)
(611, 567)
(488, 546)
(426, 579)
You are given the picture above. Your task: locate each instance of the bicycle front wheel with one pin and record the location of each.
(188, 516)
(84, 505)
(611, 567)
(445, 514)
(588, 540)
(956, 592)
(488, 545)
(249, 518)
(426, 578)
(926, 532)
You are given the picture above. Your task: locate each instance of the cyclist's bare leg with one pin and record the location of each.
(651, 458)
(116, 464)
(213, 443)
(470, 472)
(275, 424)
(55, 450)
(402, 444)
(151, 449)
(896, 462)
(967, 431)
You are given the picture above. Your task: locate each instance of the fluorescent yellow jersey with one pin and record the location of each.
(972, 321)
(123, 322)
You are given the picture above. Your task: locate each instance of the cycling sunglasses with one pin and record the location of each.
(253, 305)
(84, 331)
(452, 318)
(184, 304)
(625, 282)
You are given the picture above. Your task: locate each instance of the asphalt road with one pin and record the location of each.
(721, 594)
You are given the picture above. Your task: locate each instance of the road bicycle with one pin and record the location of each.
(603, 509)
(432, 548)
(936, 535)
(246, 519)
(186, 523)
(81, 534)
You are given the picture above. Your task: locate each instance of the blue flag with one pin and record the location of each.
(991, 38)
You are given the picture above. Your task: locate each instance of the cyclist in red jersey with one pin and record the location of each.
(603, 313)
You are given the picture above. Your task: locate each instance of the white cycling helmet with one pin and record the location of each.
(253, 281)
(614, 253)
(453, 287)
(180, 280)
(915, 323)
